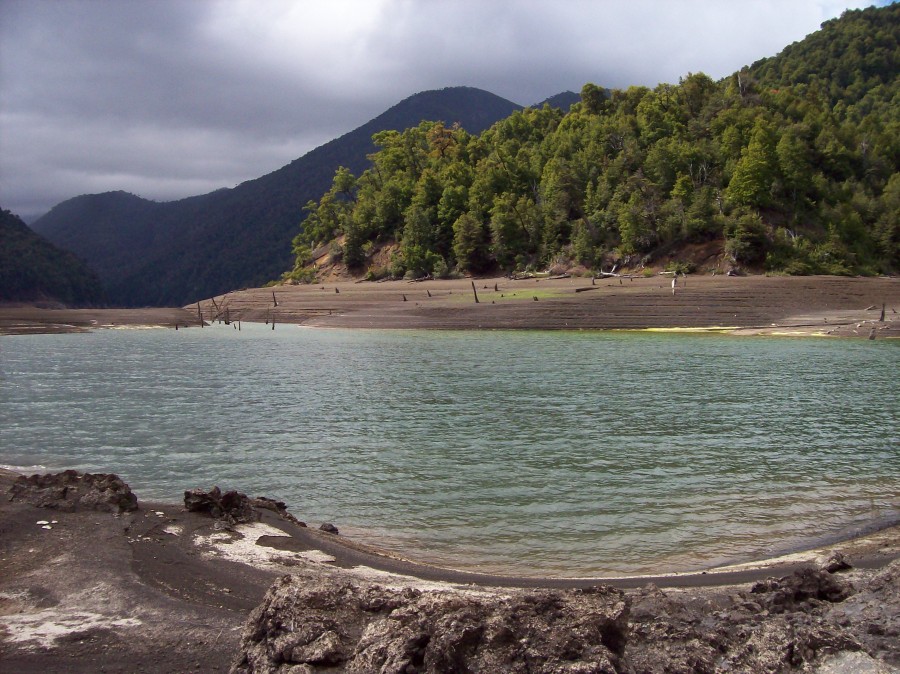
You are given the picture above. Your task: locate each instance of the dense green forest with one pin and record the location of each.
(31, 268)
(791, 164)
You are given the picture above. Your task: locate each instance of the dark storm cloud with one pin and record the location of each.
(172, 98)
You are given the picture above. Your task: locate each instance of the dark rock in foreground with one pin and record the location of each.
(346, 627)
(70, 491)
(794, 623)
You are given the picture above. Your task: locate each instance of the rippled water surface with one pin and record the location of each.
(530, 452)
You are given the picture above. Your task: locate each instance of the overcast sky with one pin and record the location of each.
(171, 98)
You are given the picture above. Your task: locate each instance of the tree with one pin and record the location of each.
(470, 245)
(751, 184)
(592, 98)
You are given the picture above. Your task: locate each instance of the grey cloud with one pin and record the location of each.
(172, 98)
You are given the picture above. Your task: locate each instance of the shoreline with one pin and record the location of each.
(875, 544)
(84, 590)
(745, 305)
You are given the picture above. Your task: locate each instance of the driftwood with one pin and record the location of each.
(584, 290)
(475, 292)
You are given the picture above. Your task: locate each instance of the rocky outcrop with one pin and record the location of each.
(350, 627)
(789, 624)
(232, 506)
(70, 491)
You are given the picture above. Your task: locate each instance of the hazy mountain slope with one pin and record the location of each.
(150, 253)
(32, 268)
(563, 100)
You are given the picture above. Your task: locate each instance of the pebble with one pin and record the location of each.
(42, 522)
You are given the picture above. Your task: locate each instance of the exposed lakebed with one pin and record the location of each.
(557, 453)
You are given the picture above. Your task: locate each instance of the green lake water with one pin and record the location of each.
(561, 453)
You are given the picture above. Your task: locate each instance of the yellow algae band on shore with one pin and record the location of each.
(718, 329)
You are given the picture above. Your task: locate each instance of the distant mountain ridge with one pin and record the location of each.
(173, 253)
(33, 269)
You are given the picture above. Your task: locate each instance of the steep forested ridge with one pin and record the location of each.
(792, 164)
(31, 268)
(172, 253)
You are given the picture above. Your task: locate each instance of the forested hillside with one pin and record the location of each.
(172, 253)
(31, 268)
(790, 164)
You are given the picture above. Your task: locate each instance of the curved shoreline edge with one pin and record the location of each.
(873, 549)
(84, 590)
(869, 546)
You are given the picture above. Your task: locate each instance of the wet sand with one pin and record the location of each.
(101, 592)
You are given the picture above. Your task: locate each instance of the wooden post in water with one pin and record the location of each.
(474, 292)
(199, 314)
(882, 313)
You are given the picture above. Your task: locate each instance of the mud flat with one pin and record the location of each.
(30, 319)
(815, 305)
(780, 305)
(91, 580)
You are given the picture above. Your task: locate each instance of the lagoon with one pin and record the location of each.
(539, 453)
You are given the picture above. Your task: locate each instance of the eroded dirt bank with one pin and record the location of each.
(91, 580)
(820, 305)
(824, 305)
